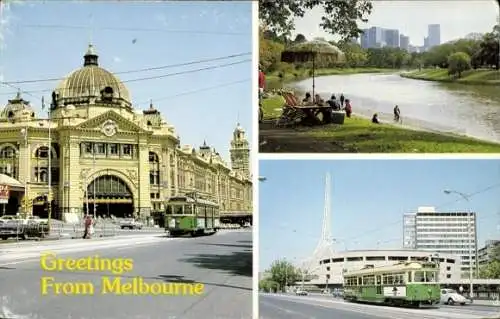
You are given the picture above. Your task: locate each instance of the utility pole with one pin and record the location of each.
(49, 194)
(469, 236)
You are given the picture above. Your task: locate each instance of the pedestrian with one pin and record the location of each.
(342, 99)
(262, 82)
(87, 226)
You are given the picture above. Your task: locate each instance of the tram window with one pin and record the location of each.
(388, 280)
(178, 209)
(419, 276)
(100, 148)
(168, 211)
(188, 209)
(431, 276)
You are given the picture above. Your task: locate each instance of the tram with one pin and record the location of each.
(191, 215)
(403, 284)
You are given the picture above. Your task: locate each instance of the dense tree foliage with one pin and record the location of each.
(341, 17)
(492, 269)
(482, 53)
(282, 274)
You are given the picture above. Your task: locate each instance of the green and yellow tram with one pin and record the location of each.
(191, 215)
(404, 284)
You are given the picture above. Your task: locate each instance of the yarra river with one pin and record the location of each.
(445, 107)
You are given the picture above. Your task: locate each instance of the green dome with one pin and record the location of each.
(91, 81)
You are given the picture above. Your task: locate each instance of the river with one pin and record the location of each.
(464, 109)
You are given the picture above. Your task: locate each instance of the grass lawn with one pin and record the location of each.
(301, 74)
(360, 135)
(490, 77)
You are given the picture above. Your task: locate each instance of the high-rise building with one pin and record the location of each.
(376, 37)
(404, 42)
(443, 232)
(391, 38)
(434, 35)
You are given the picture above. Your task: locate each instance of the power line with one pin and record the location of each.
(144, 78)
(377, 229)
(141, 70)
(195, 91)
(77, 27)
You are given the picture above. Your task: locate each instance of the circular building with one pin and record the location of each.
(329, 269)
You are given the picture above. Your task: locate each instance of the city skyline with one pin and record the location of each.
(360, 188)
(187, 95)
(453, 16)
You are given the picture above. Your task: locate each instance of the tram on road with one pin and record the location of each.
(403, 284)
(191, 215)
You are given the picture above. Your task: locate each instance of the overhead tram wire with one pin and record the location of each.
(145, 78)
(141, 70)
(399, 221)
(76, 27)
(194, 91)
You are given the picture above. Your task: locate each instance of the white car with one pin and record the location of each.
(451, 297)
(299, 292)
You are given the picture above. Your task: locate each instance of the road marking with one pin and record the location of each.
(286, 310)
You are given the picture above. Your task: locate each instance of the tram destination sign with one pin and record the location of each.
(4, 194)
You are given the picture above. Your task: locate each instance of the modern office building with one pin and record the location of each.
(404, 42)
(453, 233)
(486, 254)
(434, 35)
(376, 37)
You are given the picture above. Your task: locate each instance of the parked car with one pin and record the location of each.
(130, 224)
(338, 293)
(451, 297)
(299, 292)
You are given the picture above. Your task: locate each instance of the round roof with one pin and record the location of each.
(16, 107)
(90, 81)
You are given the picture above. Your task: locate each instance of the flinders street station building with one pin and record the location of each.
(108, 158)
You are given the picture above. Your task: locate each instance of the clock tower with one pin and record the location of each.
(240, 152)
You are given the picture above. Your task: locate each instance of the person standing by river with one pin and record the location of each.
(342, 98)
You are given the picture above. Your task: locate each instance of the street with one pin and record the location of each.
(222, 263)
(272, 306)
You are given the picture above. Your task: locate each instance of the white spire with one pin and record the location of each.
(325, 241)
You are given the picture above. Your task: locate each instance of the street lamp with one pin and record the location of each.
(24, 134)
(469, 235)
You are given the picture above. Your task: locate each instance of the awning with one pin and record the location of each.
(13, 183)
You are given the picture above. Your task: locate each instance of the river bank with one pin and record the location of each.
(359, 135)
(302, 74)
(471, 77)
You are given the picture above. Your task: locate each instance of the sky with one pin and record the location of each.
(457, 18)
(47, 39)
(368, 199)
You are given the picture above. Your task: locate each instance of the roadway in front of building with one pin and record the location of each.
(222, 262)
(272, 306)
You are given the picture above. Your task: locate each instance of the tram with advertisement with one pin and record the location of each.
(403, 284)
(191, 215)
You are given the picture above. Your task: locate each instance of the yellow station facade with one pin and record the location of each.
(109, 158)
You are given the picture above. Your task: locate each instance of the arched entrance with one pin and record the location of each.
(108, 196)
(41, 209)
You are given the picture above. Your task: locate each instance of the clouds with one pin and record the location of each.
(117, 59)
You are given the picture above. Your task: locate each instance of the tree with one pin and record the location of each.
(490, 270)
(268, 285)
(341, 16)
(458, 62)
(283, 273)
(269, 53)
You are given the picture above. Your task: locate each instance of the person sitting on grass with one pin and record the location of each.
(375, 119)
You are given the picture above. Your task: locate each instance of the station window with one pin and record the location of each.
(88, 148)
(100, 148)
(113, 149)
(127, 150)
